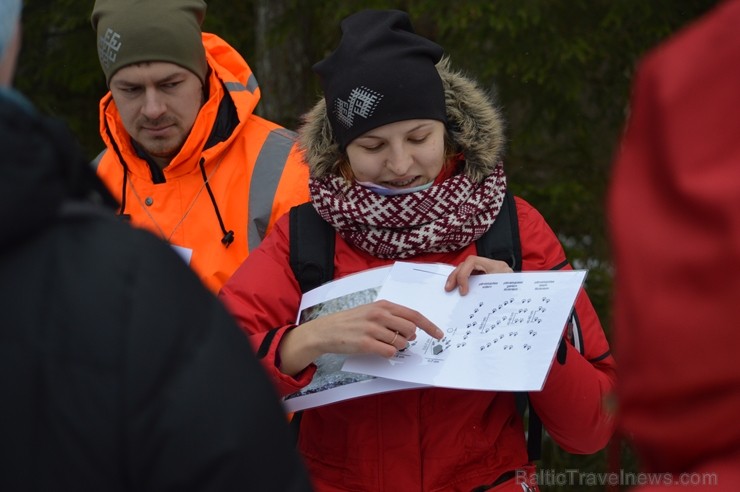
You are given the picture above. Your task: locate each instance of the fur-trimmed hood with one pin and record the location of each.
(474, 122)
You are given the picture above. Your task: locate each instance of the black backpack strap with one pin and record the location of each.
(534, 434)
(311, 247)
(311, 258)
(501, 241)
(534, 425)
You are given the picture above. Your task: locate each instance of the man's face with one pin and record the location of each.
(158, 103)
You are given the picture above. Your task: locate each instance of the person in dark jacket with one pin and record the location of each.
(120, 370)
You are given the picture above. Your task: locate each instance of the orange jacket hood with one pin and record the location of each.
(234, 176)
(226, 66)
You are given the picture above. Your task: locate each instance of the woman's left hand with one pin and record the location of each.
(471, 266)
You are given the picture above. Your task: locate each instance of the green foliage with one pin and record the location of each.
(234, 22)
(58, 67)
(559, 69)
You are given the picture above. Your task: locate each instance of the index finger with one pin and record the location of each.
(418, 319)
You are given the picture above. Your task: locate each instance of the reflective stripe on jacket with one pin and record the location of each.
(254, 172)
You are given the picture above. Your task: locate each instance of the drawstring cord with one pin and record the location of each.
(228, 235)
(123, 190)
(122, 211)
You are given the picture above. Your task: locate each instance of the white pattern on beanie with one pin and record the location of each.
(10, 10)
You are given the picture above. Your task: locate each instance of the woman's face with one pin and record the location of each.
(400, 155)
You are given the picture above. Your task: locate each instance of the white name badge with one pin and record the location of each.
(184, 253)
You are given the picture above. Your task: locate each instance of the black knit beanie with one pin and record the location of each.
(136, 31)
(381, 72)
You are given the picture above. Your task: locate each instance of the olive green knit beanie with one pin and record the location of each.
(135, 31)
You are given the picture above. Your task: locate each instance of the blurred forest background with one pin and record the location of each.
(560, 70)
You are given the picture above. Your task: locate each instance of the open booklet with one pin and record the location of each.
(501, 336)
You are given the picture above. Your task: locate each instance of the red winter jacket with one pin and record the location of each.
(675, 223)
(426, 439)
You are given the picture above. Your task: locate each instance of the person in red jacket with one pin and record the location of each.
(405, 157)
(675, 230)
(186, 156)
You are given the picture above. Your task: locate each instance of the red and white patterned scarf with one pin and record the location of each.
(445, 217)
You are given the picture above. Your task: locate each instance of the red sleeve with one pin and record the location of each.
(572, 404)
(674, 217)
(263, 296)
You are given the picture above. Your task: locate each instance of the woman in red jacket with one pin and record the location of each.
(405, 159)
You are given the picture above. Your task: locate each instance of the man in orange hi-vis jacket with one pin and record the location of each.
(186, 156)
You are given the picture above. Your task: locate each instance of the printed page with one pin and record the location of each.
(330, 383)
(501, 336)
